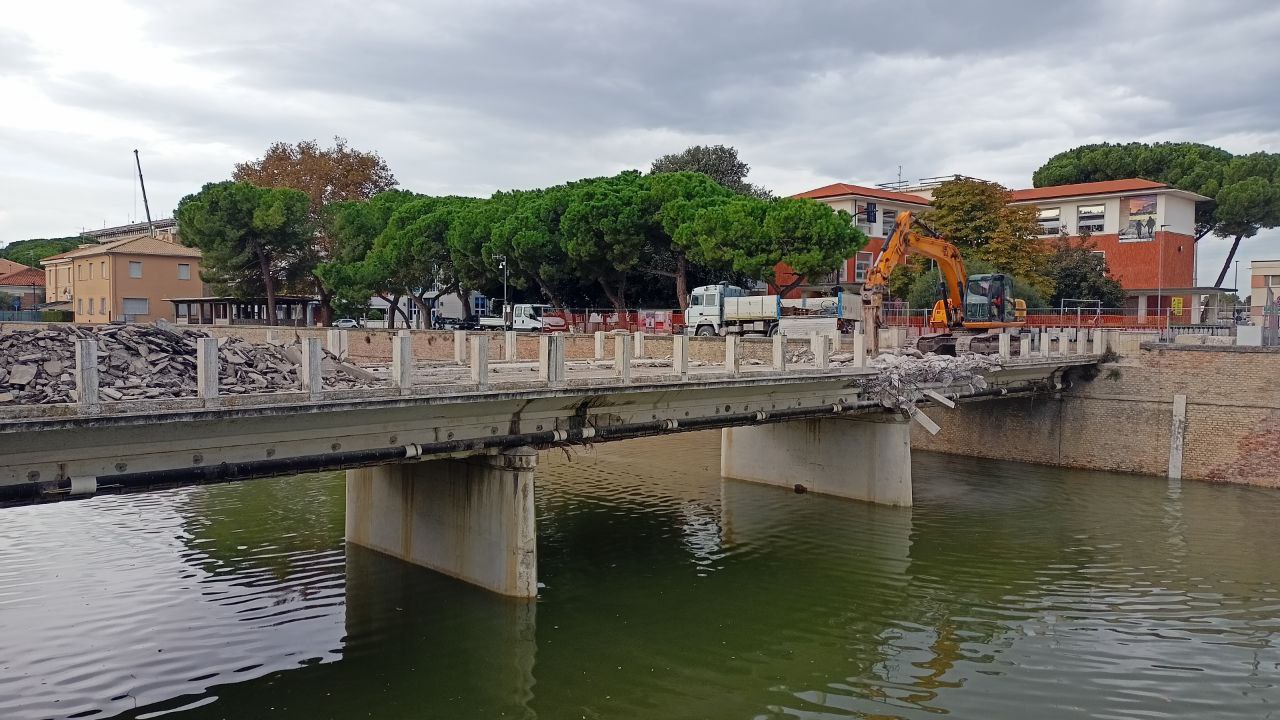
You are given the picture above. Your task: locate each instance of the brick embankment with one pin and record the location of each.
(1122, 419)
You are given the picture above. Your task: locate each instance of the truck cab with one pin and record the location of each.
(530, 317)
(705, 315)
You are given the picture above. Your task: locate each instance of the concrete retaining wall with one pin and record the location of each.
(1122, 419)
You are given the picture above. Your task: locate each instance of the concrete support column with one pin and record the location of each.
(622, 354)
(732, 362)
(599, 349)
(312, 369)
(821, 351)
(551, 359)
(402, 361)
(510, 346)
(460, 347)
(639, 347)
(207, 369)
(1024, 346)
(860, 459)
(480, 360)
(1099, 343)
(1082, 342)
(336, 339)
(680, 355)
(470, 518)
(779, 352)
(1177, 436)
(1006, 346)
(859, 350)
(87, 375)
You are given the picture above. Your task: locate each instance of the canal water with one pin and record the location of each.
(1008, 591)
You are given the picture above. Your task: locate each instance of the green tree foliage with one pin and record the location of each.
(977, 217)
(1244, 190)
(614, 239)
(250, 238)
(1081, 274)
(718, 162)
(31, 252)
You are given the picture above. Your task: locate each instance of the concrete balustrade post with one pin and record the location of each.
(1006, 346)
(510, 346)
(639, 348)
(337, 341)
(402, 361)
(460, 347)
(207, 368)
(821, 355)
(779, 352)
(1099, 342)
(1082, 342)
(599, 348)
(312, 367)
(859, 349)
(731, 359)
(680, 355)
(622, 348)
(551, 359)
(1024, 346)
(480, 360)
(87, 375)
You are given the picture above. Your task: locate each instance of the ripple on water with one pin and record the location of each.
(1008, 591)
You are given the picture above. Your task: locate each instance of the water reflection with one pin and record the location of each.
(1009, 591)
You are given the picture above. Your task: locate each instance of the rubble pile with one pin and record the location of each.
(902, 378)
(150, 361)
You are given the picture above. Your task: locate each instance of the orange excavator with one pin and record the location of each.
(973, 311)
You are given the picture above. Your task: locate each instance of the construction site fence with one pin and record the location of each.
(917, 321)
(589, 320)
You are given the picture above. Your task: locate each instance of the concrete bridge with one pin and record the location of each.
(443, 475)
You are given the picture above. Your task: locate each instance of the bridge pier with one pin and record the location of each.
(860, 459)
(471, 518)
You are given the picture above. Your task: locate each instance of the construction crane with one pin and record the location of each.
(973, 310)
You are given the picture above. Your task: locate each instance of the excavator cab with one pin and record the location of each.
(986, 299)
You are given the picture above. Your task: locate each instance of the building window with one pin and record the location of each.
(104, 270)
(1271, 280)
(135, 268)
(102, 306)
(887, 219)
(479, 305)
(862, 266)
(80, 272)
(1090, 219)
(1050, 220)
(137, 306)
(90, 264)
(184, 271)
(79, 305)
(90, 306)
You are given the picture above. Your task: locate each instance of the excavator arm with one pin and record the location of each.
(905, 242)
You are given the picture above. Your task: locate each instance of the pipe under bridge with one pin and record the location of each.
(444, 477)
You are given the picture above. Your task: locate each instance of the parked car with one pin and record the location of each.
(346, 323)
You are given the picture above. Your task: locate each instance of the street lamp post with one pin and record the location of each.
(506, 307)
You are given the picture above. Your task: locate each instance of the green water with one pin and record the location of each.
(1008, 591)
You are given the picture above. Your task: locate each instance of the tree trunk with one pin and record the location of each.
(614, 297)
(1227, 265)
(465, 299)
(264, 265)
(324, 316)
(682, 281)
(424, 312)
(391, 310)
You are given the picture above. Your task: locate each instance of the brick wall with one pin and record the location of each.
(1121, 420)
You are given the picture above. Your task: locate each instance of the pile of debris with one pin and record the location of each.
(150, 361)
(903, 379)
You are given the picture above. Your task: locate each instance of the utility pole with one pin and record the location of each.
(1160, 281)
(147, 206)
(507, 315)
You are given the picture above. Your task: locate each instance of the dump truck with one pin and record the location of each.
(726, 309)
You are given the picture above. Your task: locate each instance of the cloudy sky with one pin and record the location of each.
(472, 97)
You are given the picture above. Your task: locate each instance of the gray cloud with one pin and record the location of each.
(472, 97)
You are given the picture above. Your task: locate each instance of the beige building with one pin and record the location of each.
(124, 280)
(1264, 291)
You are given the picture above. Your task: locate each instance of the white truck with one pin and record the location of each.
(729, 310)
(530, 317)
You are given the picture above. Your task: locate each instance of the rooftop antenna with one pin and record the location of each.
(150, 226)
(899, 176)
